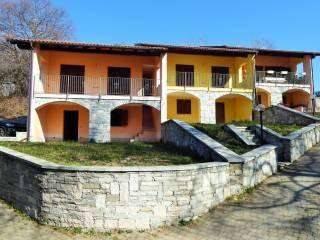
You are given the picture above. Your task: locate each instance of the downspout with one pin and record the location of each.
(254, 91)
(313, 97)
(30, 92)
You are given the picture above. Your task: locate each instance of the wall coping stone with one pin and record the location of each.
(253, 154)
(46, 165)
(296, 112)
(217, 147)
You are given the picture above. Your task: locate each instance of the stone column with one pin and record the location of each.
(99, 123)
(207, 108)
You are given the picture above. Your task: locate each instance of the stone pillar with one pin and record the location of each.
(99, 123)
(207, 108)
(163, 86)
(307, 68)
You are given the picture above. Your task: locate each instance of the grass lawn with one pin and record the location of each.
(108, 154)
(283, 129)
(217, 132)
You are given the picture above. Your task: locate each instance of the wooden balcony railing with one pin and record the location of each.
(67, 84)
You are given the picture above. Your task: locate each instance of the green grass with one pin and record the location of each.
(283, 129)
(108, 154)
(217, 132)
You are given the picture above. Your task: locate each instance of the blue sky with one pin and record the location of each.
(288, 24)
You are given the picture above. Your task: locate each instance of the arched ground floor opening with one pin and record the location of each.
(62, 121)
(263, 97)
(183, 106)
(233, 107)
(297, 99)
(135, 122)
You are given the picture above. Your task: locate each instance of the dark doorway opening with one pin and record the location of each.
(147, 117)
(220, 117)
(72, 79)
(70, 125)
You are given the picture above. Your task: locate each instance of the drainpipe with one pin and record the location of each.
(313, 100)
(30, 92)
(254, 91)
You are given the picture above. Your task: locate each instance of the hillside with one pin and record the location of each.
(11, 107)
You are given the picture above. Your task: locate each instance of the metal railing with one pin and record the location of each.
(281, 77)
(67, 84)
(220, 80)
(185, 79)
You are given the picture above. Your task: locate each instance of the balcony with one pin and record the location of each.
(96, 86)
(211, 80)
(283, 77)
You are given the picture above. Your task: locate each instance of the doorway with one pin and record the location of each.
(70, 125)
(147, 117)
(220, 117)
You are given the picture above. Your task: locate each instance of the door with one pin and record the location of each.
(119, 81)
(72, 79)
(147, 117)
(220, 117)
(70, 125)
(148, 82)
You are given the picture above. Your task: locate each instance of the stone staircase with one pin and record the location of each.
(249, 135)
(244, 134)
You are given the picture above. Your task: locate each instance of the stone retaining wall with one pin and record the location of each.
(128, 198)
(293, 146)
(104, 198)
(280, 114)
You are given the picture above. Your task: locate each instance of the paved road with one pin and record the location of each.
(286, 206)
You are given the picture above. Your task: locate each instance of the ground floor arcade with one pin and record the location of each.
(209, 107)
(96, 121)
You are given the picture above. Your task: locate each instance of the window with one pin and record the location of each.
(119, 118)
(119, 81)
(72, 79)
(183, 106)
(184, 75)
(220, 76)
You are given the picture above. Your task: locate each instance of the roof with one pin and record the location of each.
(203, 50)
(270, 52)
(150, 49)
(46, 44)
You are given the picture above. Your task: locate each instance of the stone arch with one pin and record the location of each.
(135, 121)
(54, 122)
(263, 96)
(298, 99)
(183, 106)
(233, 107)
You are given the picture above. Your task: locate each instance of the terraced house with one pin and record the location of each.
(101, 93)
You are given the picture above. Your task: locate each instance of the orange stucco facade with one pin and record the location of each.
(52, 120)
(134, 128)
(96, 68)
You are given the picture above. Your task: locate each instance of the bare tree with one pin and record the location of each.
(27, 19)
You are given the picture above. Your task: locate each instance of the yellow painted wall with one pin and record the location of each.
(194, 117)
(236, 108)
(202, 69)
(96, 66)
(51, 119)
